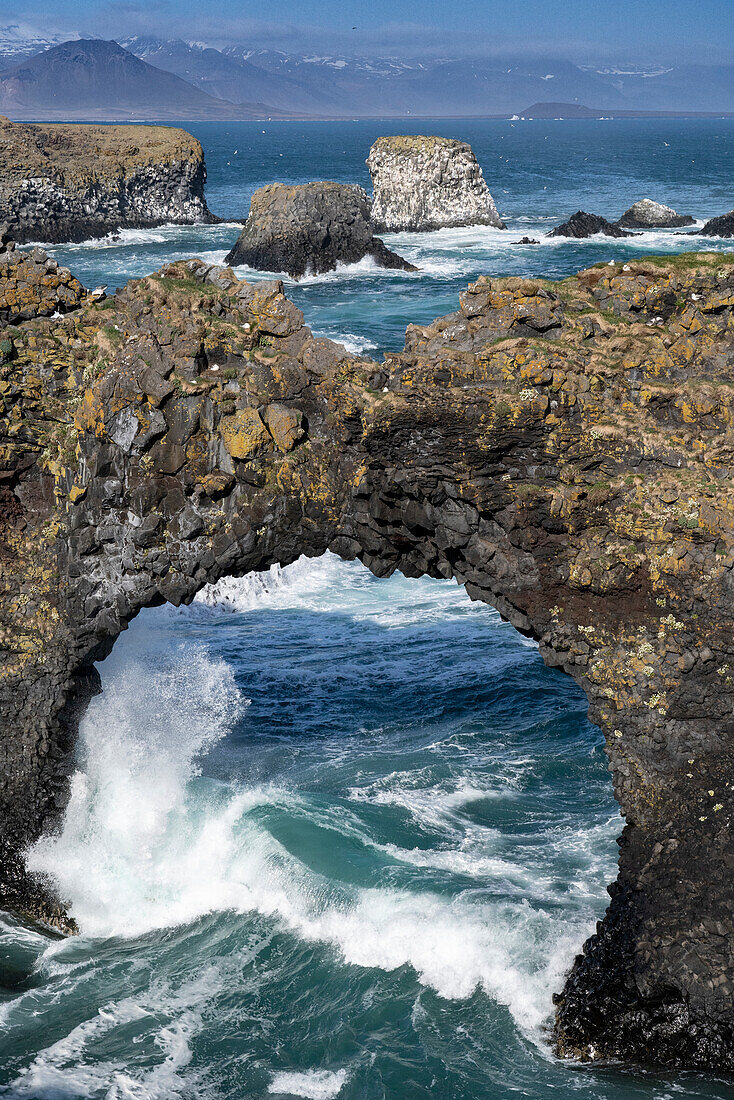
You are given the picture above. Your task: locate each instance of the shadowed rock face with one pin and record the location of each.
(647, 214)
(564, 450)
(425, 183)
(582, 224)
(72, 182)
(310, 227)
(723, 226)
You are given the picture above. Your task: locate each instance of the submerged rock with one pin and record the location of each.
(72, 182)
(582, 225)
(425, 183)
(647, 214)
(310, 228)
(723, 226)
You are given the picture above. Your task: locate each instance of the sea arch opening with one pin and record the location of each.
(380, 767)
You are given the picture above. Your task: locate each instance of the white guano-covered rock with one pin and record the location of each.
(647, 214)
(425, 183)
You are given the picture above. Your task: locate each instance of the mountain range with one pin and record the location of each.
(144, 77)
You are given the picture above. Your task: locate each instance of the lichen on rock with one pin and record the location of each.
(425, 183)
(562, 449)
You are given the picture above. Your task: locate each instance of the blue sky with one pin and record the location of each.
(583, 30)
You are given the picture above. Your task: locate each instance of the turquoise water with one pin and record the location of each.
(329, 836)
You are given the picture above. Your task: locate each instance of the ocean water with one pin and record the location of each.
(539, 173)
(331, 836)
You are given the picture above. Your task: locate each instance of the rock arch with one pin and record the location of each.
(563, 450)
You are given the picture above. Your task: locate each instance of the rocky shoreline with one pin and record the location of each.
(561, 449)
(73, 182)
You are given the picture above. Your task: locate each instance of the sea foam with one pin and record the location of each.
(314, 1084)
(149, 842)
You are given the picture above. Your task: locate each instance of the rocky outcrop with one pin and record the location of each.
(33, 285)
(426, 183)
(310, 228)
(647, 214)
(723, 226)
(581, 225)
(564, 450)
(72, 182)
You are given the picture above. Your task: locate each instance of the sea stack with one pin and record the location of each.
(72, 182)
(581, 225)
(647, 214)
(424, 183)
(310, 228)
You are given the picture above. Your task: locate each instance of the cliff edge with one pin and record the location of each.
(69, 182)
(424, 183)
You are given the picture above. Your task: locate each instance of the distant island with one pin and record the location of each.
(579, 110)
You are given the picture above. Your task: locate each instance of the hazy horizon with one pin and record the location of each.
(639, 33)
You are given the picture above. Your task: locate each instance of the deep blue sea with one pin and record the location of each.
(329, 836)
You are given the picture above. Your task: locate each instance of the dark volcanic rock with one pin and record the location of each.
(723, 226)
(647, 214)
(310, 228)
(527, 240)
(563, 450)
(582, 224)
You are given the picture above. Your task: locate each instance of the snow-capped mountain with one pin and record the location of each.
(18, 41)
(319, 84)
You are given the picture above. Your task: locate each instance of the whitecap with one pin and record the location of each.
(329, 584)
(355, 345)
(127, 238)
(148, 842)
(313, 1084)
(70, 1067)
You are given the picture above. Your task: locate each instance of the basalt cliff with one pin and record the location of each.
(72, 182)
(424, 183)
(564, 450)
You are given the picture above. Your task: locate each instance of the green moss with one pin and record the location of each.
(113, 334)
(689, 261)
(412, 143)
